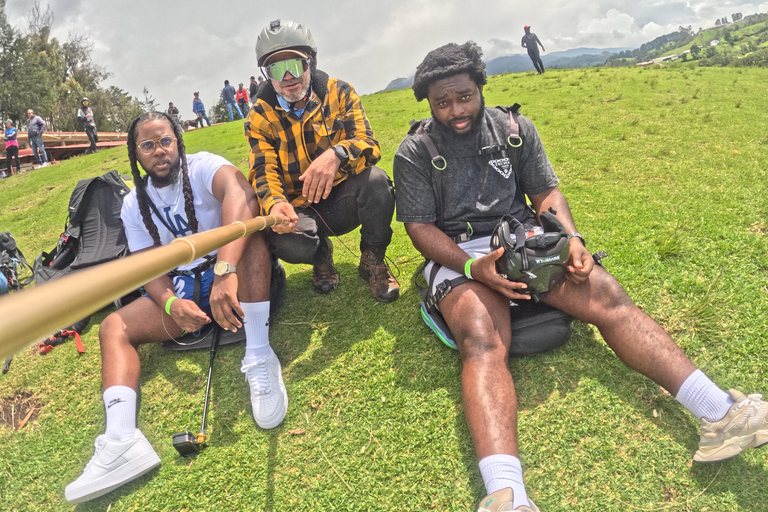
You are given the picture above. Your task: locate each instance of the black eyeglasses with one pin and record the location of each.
(148, 146)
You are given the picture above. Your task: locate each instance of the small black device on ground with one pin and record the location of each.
(187, 443)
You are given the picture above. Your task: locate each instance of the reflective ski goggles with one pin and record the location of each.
(296, 67)
(148, 146)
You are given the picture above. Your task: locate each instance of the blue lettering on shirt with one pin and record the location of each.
(180, 227)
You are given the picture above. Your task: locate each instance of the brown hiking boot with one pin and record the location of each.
(325, 277)
(384, 287)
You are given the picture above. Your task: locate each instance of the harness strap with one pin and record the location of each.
(514, 139)
(197, 273)
(438, 162)
(441, 290)
(157, 214)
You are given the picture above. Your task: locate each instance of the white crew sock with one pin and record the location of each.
(501, 471)
(703, 398)
(256, 330)
(120, 402)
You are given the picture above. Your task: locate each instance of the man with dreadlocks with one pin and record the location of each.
(312, 160)
(477, 188)
(181, 194)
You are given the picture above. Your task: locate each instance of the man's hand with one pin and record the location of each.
(580, 262)
(286, 210)
(224, 304)
(188, 315)
(484, 270)
(318, 180)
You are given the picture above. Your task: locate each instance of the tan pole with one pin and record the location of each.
(29, 315)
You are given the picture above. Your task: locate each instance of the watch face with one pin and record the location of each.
(220, 268)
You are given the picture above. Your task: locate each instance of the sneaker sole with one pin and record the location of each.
(129, 472)
(731, 448)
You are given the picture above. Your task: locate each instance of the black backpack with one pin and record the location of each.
(93, 232)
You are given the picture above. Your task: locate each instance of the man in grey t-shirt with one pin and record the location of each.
(477, 186)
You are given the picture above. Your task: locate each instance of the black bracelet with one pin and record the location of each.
(577, 235)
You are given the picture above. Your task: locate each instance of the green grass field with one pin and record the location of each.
(665, 170)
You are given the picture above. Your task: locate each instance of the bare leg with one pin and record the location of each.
(636, 339)
(141, 321)
(254, 270)
(479, 318)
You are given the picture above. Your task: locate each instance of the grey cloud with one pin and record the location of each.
(175, 47)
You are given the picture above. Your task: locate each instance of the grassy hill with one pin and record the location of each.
(665, 169)
(742, 43)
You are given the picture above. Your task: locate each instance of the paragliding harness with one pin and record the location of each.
(12, 265)
(13, 262)
(203, 337)
(93, 232)
(59, 338)
(196, 338)
(198, 271)
(536, 327)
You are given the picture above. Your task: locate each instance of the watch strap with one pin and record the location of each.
(577, 235)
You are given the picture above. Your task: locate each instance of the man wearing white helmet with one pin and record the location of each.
(312, 160)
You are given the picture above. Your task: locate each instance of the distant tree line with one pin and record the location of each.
(737, 46)
(653, 49)
(50, 77)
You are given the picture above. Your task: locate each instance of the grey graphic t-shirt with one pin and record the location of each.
(478, 185)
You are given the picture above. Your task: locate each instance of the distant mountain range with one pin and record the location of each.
(518, 63)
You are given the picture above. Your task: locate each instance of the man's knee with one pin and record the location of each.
(378, 186)
(609, 292)
(256, 249)
(294, 247)
(483, 347)
(481, 332)
(112, 330)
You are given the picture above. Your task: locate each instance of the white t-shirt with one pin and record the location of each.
(170, 204)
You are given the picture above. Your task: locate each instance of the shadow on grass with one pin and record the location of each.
(584, 358)
(311, 332)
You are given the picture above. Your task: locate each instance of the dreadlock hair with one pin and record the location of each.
(141, 189)
(449, 60)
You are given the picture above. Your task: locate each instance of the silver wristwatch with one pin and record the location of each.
(222, 268)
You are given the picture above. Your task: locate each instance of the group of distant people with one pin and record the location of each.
(36, 126)
(237, 101)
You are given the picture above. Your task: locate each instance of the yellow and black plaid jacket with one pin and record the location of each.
(282, 147)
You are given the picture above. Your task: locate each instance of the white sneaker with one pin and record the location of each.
(114, 464)
(268, 396)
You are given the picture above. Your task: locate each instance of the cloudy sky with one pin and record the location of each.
(176, 47)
